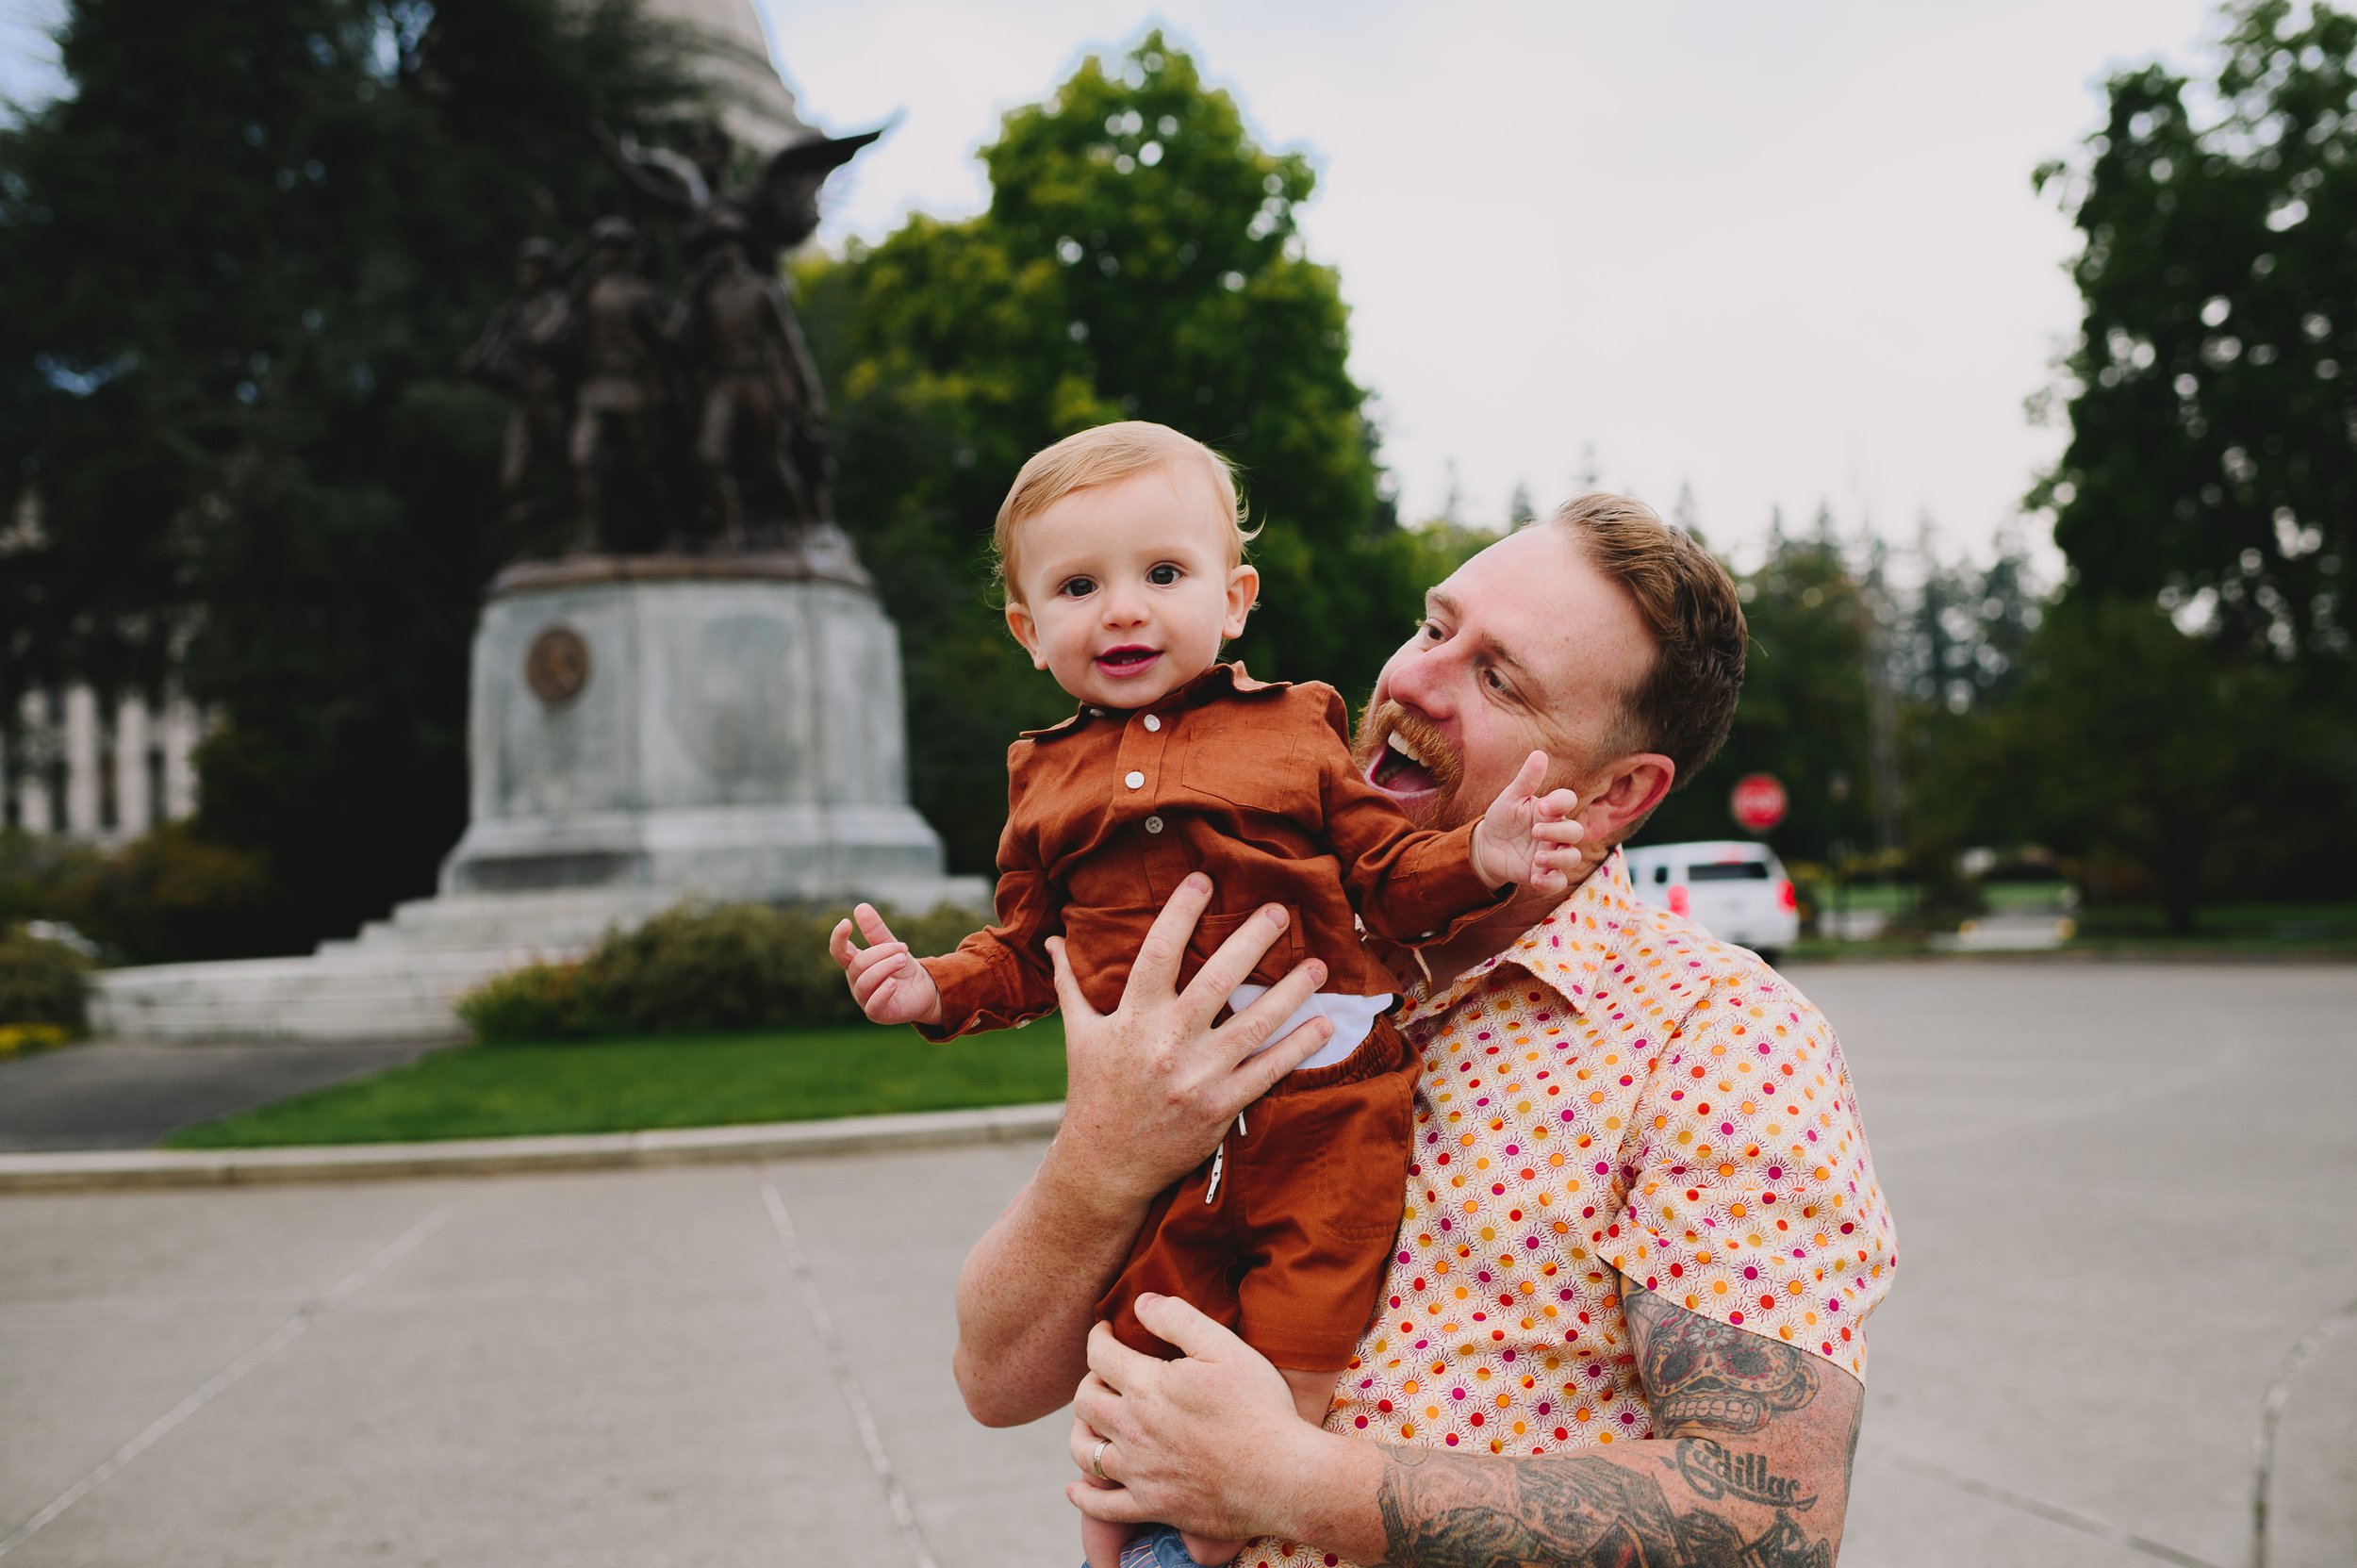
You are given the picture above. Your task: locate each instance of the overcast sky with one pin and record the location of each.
(1785, 254)
(1782, 254)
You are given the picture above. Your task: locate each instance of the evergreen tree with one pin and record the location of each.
(241, 257)
(1806, 709)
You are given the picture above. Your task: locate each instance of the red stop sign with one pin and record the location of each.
(1759, 801)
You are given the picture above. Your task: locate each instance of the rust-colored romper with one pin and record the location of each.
(1283, 1236)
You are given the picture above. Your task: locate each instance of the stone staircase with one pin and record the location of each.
(399, 977)
(396, 980)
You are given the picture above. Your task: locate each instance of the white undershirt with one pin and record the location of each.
(1353, 1018)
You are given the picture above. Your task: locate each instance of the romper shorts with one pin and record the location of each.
(1288, 1249)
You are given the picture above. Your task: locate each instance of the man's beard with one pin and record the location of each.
(1441, 770)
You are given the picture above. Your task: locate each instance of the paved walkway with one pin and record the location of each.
(123, 1093)
(2122, 1196)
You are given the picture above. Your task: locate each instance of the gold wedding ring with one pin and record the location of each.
(1097, 1458)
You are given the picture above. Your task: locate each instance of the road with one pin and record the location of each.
(2123, 1195)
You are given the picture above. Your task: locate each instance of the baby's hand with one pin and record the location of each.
(890, 987)
(1529, 838)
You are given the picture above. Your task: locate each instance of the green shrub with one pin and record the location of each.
(694, 969)
(539, 1001)
(163, 898)
(726, 966)
(40, 982)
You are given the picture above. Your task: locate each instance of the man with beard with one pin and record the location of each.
(1624, 1322)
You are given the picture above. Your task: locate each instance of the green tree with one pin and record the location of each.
(1139, 260)
(240, 258)
(2210, 397)
(1806, 710)
(2130, 738)
(2212, 394)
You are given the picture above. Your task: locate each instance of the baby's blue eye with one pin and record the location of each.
(1163, 576)
(1077, 587)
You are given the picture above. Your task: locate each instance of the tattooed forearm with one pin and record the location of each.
(1699, 1372)
(1747, 1470)
(1450, 1510)
(1444, 1511)
(1714, 1473)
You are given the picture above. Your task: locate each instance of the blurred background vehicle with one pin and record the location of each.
(1733, 888)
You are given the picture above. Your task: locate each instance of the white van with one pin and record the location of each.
(1734, 888)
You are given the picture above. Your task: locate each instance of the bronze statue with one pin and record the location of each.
(780, 207)
(602, 375)
(762, 415)
(522, 350)
(624, 328)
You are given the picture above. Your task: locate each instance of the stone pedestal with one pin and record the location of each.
(644, 730)
(728, 727)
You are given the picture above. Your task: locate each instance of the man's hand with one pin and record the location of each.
(1151, 1085)
(890, 987)
(1529, 838)
(1193, 1442)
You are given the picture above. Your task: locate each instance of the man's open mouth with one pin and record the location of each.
(1412, 764)
(1400, 766)
(1126, 661)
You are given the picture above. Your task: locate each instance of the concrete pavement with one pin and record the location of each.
(2122, 1195)
(126, 1094)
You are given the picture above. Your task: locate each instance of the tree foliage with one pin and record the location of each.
(1806, 710)
(240, 257)
(2212, 400)
(2213, 396)
(2132, 739)
(1138, 259)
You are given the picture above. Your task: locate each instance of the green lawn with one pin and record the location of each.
(674, 1080)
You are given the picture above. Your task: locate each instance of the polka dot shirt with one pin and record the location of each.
(1614, 1093)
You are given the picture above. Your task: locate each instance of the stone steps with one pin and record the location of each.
(399, 977)
(558, 922)
(394, 996)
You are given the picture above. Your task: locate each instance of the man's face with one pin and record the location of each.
(1524, 647)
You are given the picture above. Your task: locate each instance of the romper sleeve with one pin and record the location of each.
(1751, 1197)
(1001, 976)
(1410, 885)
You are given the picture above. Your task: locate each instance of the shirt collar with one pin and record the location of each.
(1221, 680)
(1568, 950)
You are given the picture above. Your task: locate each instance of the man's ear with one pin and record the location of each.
(1026, 631)
(1631, 786)
(1243, 591)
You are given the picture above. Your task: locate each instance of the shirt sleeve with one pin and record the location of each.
(1410, 885)
(1751, 1197)
(1001, 976)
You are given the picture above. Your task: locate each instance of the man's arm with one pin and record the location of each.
(1151, 1088)
(1751, 1470)
(1752, 1467)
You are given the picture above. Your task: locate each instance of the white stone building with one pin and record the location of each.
(99, 770)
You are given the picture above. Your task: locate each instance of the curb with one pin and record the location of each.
(101, 1169)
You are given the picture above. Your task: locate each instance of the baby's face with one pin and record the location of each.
(1125, 591)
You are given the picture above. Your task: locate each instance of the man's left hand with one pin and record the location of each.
(1193, 1442)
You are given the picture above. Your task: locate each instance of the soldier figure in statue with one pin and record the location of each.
(624, 328)
(596, 372)
(762, 409)
(522, 352)
(759, 222)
